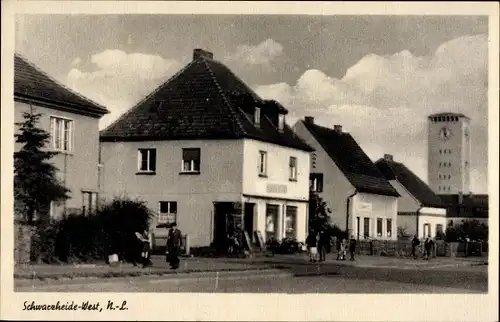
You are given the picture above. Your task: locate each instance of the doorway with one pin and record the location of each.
(358, 226)
(248, 222)
(222, 214)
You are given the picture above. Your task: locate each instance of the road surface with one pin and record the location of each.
(301, 279)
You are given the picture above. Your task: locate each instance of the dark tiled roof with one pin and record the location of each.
(351, 160)
(416, 187)
(472, 206)
(30, 83)
(202, 101)
(448, 114)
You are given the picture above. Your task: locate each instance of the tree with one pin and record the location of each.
(319, 214)
(35, 181)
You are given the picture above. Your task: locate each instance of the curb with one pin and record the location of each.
(180, 277)
(122, 274)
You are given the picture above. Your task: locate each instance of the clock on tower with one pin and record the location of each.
(445, 133)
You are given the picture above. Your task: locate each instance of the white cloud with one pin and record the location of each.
(121, 79)
(384, 101)
(261, 54)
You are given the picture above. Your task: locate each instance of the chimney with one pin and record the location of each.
(197, 53)
(388, 157)
(309, 119)
(337, 128)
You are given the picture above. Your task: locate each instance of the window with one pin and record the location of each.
(146, 160)
(439, 176)
(449, 177)
(366, 227)
(61, 131)
(167, 213)
(440, 151)
(389, 227)
(257, 116)
(191, 160)
(316, 182)
(379, 227)
(293, 168)
(449, 164)
(262, 163)
(281, 122)
(89, 200)
(291, 221)
(313, 160)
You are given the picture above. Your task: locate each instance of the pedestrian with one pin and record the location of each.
(467, 244)
(414, 244)
(345, 247)
(144, 247)
(174, 244)
(352, 247)
(323, 242)
(312, 246)
(428, 246)
(338, 246)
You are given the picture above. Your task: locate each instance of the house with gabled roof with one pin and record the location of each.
(73, 122)
(360, 198)
(420, 211)
(204, 151)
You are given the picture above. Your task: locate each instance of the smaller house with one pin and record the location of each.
(359, 196)
(73, 123)
(461, 208)
(420, 210)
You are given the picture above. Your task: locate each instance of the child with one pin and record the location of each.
(312, 245)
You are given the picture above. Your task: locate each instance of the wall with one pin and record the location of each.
(367, 205)
(278, 159)
(77, 169)
(433, 217)
(406, 202)
(336, 187)
(220, 179)
(408, 222)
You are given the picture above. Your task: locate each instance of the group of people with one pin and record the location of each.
(173, 249)
(429, 246)
(318, 244)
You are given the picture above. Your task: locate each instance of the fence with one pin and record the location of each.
(403, 248)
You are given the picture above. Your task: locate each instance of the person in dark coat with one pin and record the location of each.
(323, 242)
(428, 246)
(174, 244)
(414, 244)
(312, 246)
(352, 247)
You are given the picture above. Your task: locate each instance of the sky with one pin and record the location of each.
(377, 76)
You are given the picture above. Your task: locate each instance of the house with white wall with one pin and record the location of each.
(359, 196)
(204, 151)
(420, 211)
(73, 123)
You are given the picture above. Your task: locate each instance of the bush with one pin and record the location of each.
(79, 238)
(472, 229)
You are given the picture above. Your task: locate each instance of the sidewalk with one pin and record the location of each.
(363, 261)
(102, 270)
(192, 265)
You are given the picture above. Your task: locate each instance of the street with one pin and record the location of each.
(325, 278)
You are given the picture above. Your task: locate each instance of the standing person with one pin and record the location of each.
(312, 246)
(143, 241)
(428, 246)
(345, 247)
(323, 242)
(174, 244)
(467, 243)
(338, 247)
(352, 247)
(414, 244)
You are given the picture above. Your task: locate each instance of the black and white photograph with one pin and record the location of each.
(249, 153)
